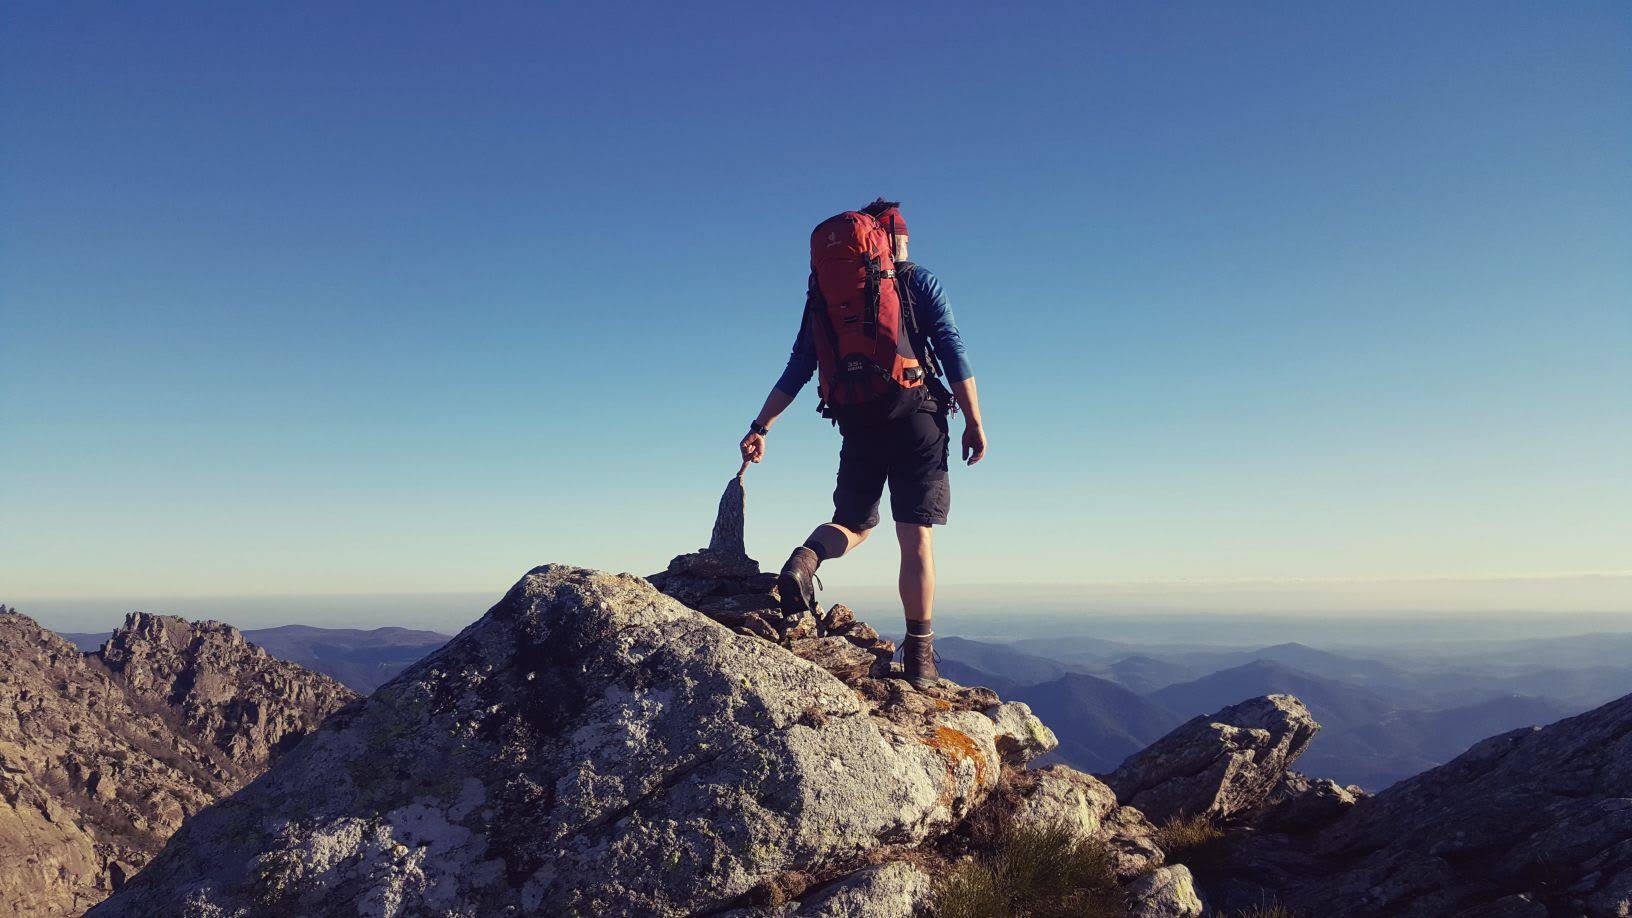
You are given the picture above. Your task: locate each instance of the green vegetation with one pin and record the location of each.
(1187, 833)
(1033, 872)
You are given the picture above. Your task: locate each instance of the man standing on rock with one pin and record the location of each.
(880, 330)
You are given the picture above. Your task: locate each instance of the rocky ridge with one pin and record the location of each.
(676, 745)
(103, 755)
(592, 745)
(228, 692)
(1531, 823)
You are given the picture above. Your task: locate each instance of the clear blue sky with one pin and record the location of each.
(319, 297)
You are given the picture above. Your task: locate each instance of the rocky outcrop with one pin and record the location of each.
(228, 692)
(1217, 765)
(1534, 822)
(1535, 819)
(592, 745)
(95, 775)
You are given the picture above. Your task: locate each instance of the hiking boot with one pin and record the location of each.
(918, 660)
(795, 582)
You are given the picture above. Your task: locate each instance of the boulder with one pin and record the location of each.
(1132, 841)
(1217, 765)
(1058, 795)
(1165, 892)
(1021, 736)
(893, 890)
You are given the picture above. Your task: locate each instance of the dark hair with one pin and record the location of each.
(879, 206)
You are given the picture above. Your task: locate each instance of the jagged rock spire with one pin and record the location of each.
(730, 518)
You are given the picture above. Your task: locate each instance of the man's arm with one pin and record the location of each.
(753, 445)
(974, 435)
(935, 317)
(801, 365)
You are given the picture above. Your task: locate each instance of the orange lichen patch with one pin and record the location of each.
(957, 747)
(943, 704)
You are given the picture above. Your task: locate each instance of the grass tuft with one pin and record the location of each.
(1187, 833)
(1040, 872)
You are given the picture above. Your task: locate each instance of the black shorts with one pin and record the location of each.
(910, 453)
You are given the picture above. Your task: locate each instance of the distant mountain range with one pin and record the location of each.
(1382, 720)
(1004, 661)
(1098, 722)
(360, 660)
(1401, 744)
(1336, 705)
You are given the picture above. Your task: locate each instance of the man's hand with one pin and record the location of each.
(974, 443)
(753, 447)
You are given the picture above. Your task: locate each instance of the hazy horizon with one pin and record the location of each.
(1505, 605)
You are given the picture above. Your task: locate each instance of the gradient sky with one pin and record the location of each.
(355, 298)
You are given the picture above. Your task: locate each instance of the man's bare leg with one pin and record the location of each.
(837, 540)
(917, 585)
(917, 572)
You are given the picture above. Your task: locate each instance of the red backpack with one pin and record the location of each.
(868, 370)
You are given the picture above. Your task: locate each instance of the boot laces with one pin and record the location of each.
(934, 655)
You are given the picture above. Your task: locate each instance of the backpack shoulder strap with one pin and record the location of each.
(904, 271)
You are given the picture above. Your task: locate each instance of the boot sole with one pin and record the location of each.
(920, 682)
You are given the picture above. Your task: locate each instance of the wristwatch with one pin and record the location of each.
(758, 428)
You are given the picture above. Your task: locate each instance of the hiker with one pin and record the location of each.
(879, 328)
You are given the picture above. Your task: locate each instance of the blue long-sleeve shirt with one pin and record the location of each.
(935, 321)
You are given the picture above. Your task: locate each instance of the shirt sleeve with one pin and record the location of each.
(935, 320)
(801, 362)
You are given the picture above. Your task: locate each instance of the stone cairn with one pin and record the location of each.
(724, 583)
